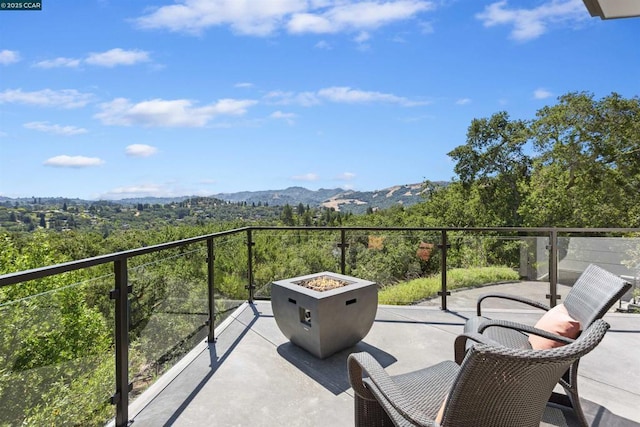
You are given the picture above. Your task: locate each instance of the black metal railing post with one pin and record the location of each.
(343, 251)
(553, 268)
(444, 245)
(210, 276)
(250, 287)
(121, 296)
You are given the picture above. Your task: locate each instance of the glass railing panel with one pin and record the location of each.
(168, 311)
(485, 263)
(283, 254)
(404, 264)
(230, 274)
(56, 350)
(619, 255)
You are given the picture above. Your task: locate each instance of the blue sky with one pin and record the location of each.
(109, 99)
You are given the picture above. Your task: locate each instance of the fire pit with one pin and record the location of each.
(324, 312)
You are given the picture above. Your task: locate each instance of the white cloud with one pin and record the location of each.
(463, 101)
(58, 63)
(344, 94)
(140, 150)
(65, 161)
(306, 177)
(233, 107)
(362, 37)
(259, 18)
(310, 23)
(532, 23)
(356, 16)
(306, 99)
(168, 189)
(142, 190)
(338, 94)
(117, 56)
(55, 129)
(168, 113)
(110, 58)
(323, 44)
(346, 176)
(65, 98)
(288, 117)
(542, 94)
(9, 57)
(244, 85)
(263, 18)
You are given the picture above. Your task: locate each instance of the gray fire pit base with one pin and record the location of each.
(326, 322)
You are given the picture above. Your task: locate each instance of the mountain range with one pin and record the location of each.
(337, 198)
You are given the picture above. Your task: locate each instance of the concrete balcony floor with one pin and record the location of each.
(252, 376)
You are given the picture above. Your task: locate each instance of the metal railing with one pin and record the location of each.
(122, 288)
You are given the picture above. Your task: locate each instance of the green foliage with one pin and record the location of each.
(65, 331)
(292, 253)
(586, 172)
(417, 290)
(385, 258)
(85, 397)
(494, 161)
(56, 338)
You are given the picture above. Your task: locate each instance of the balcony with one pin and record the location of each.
(230, 364)
(253, 376)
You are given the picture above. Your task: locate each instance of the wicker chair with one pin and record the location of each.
(592, 295)
(494, 386)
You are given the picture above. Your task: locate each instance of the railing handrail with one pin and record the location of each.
(52, 270)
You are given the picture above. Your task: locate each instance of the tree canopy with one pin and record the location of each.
(576, 164)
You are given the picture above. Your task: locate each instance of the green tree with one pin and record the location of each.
(588, 170)
(287, 215)
(494, 160)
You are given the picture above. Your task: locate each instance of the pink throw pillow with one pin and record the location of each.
(557, 321)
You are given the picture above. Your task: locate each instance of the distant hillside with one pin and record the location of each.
(321, 208)
(337, 198)
(341, 200)
(291, 196)
(360, 201)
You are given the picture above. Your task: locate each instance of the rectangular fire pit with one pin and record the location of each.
(324, 312)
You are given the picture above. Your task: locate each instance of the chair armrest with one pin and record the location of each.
(511, 297)
(460, 345)
(359, 363)
(523, 328)
(354, 371)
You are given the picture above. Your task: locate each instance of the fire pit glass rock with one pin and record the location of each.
(324, 312)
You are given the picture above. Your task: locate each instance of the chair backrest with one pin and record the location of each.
(593, 294)
(501, 386)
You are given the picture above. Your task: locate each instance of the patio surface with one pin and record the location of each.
(252, 375)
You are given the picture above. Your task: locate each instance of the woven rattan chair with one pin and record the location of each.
(494, 386)
(592, 295)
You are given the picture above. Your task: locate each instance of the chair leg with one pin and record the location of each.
(369, 413)
(570, 399)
